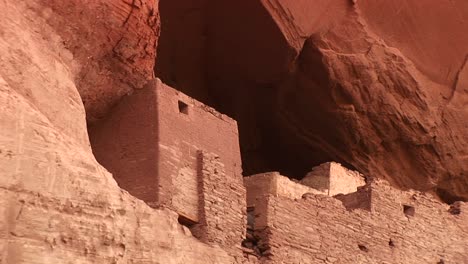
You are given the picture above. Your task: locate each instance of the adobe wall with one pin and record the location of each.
(150, 145)
(319, 229)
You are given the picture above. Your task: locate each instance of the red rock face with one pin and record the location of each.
(431, 34)
(377, 85)
(308, 81)
(113, 43)
(57, 204)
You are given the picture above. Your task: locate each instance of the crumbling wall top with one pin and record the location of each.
(273, 183)
(169, 92)
(332, 178)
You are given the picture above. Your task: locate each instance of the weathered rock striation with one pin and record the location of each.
(57, 204)
(380, 86)
(113, 45)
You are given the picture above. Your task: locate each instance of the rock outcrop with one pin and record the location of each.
(377, 85)
(380, 86)
(113, 45)
(57, 204)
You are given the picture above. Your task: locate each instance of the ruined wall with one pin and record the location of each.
(57, 204)
(125, 143)
(185, 127)
(332, 179)
(223, 212)
(275, 184)
(376, 84)
(319, 229)
(150, 143)
(329, 178)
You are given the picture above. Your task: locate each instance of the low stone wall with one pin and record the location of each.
(275, 184)
(332, 178)
(399, 227)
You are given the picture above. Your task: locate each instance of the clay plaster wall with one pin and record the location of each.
(319, 229)
(150, 144)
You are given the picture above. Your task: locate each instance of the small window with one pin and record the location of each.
(183, 108)
(408, 210)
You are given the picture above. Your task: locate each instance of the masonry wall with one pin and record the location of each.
(186, 126)
(126, 143)
(223, 205)
(150, 143)
(275, 184)
(332, 178)
(319, 229)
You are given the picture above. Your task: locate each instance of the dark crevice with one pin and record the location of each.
(251, 241)
(186, 221)
(448, 197)
(363, 248)
(455, 208)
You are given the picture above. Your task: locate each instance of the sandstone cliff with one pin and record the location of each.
(381, 86)
(57, 204)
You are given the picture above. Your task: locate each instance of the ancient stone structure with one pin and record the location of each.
(172, 151)
(223, 206)
(376, 224)
(378, 85)
(332, 178)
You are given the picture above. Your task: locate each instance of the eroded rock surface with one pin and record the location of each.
(308, 81)
(377, 85)
(57, 204)
(113, 45)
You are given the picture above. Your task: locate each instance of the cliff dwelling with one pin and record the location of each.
(253, 71)
(174, 152)
(233, 132)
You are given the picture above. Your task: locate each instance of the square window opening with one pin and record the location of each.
(408, 210)
(183, 107)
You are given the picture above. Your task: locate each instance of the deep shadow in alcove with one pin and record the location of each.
(242, 67)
